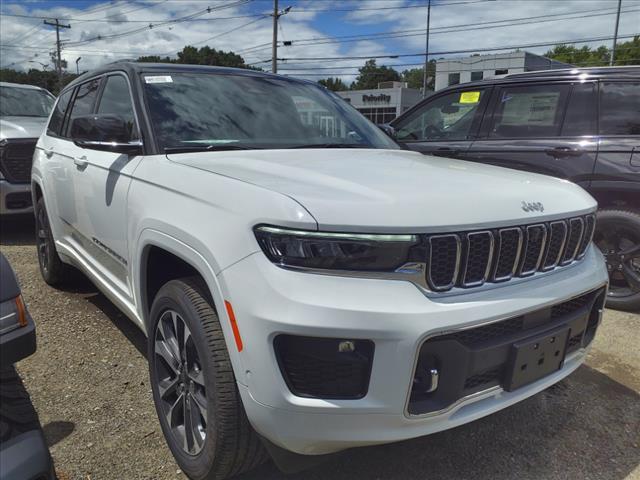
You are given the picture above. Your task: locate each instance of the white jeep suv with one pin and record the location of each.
(307, 286)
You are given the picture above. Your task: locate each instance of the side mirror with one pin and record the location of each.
(110, 133)
(388, 129)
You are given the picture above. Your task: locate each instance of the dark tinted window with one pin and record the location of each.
(116, 100)
(454, 78)
(620, 108)
(85, 99)
(475, 76)
(57, 117)
(448, 117)
(502, 71)
(580, 118)
(529, 111)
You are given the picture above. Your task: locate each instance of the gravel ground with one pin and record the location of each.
(89, 383)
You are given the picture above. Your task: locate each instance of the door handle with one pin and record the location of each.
(446, 151)
(560, 152)
(81, 162)
(48, 153)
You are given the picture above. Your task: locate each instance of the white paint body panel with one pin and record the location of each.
(202, 207)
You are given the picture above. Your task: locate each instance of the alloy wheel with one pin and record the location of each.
(43, 239)
(621, 249)
(180, 382)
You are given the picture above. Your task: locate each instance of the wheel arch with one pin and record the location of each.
(162, 258)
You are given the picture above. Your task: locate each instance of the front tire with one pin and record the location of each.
(618, 237)
(194, 389)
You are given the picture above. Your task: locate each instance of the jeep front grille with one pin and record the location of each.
(471, 259)
(16, 157)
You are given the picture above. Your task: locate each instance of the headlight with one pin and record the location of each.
(339, 251)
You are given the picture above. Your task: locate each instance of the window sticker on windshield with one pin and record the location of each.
(159, 79)
(469, 97)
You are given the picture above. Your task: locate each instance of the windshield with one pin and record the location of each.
(25, 102)
(191, 111)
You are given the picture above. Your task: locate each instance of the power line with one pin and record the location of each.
(451, 52)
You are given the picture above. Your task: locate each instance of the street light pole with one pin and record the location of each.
(615, 35)
(77, 67)
(426, 53)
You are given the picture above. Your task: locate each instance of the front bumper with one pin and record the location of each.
(15, 198)
(397, 317)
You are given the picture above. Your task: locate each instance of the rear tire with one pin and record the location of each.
(198, 386)
(618, 237)
(53, 270)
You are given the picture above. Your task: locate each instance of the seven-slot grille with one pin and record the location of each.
(15, 160)
(471, 259)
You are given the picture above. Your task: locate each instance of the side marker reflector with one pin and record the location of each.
(234, 325)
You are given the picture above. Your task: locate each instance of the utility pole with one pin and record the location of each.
(274, 47)
(426, 54)
(615, 35)
(58, 26)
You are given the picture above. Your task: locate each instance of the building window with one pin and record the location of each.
(502, 71)
(475, 76)
(454, 78)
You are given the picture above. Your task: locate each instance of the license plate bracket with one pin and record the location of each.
(536, 357)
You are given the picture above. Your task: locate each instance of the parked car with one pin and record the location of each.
(305, 290)
(581, 124)
(24, 110)
(23, 450)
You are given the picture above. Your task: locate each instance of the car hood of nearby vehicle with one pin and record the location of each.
(394, 190)
(21, 127)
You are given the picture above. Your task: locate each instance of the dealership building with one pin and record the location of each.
(470, 69)
(383, 104)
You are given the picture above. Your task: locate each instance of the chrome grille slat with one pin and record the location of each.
(504, 257)
(558, 232)
(471, 259)
(534, 249)
(482, 263)
(436, 279)
(576, 228)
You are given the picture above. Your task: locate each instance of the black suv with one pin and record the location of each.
(581, 124)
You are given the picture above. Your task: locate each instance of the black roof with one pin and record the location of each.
(133, 68)
(627, 72)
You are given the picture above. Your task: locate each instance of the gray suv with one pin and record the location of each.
(24, 110)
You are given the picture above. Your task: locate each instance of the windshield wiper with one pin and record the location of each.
(206, 148)
(331, 145)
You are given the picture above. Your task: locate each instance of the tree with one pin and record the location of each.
(627, 53)
(334, 84)
(371, 74)
(201, 56)
(47, 79)
(414, 76)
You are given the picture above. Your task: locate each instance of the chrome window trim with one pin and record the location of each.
(489, 259)
(516, 262)
(456, 270)
(567, 261)
(523, 273)
(545, 267)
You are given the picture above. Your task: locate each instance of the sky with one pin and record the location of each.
(328, 37)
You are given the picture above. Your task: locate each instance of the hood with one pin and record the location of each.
(395, 190)
(22, 127)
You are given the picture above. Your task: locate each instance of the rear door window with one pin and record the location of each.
(57, 117)
(620, 108)
(580, 118)
(449, 117)
(529, 111)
